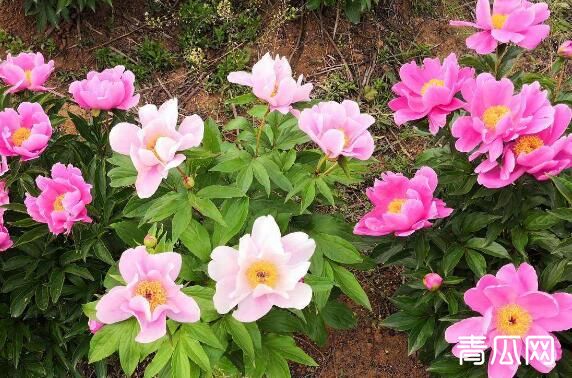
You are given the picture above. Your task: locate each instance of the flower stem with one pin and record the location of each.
(259, 132)
(329, 170)
(320, 163)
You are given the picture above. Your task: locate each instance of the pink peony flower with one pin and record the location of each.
(565, 49)
(25, 132)
(94, 326)
(543, 154)
(265, 271)
(511, 305)
(498, 115)
(516, 21)
(3, 165)
(339, 129)
(109, 89)
(5, 240)
(62, 201)
(151, 294)
(153, 147)
(429, 91)
(401, 205)
(432, 281)
(271, 81)
(26, 71)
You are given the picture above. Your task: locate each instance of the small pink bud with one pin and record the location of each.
(150, 241)
(432, 281)
(565, 49)
(94, 326)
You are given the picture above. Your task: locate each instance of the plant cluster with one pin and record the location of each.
(353, 9)
(53, 12)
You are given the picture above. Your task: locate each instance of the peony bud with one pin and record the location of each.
(94, 326)
(188, 182)
(565, 49)
(432, 281)
(150, 241)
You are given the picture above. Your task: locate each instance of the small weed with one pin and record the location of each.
(12, 44)
(106, 58)
(336, 88)
(155, 56)
(234, 61)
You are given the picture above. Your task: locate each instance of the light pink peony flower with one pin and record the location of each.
(5, 240)
(25, 132)
(151, 294)
(271, 81)
(265, 271)
(498, 115)
(339, 129)
(543, 154)
(62, 201)
(26, 71)
(109, 89)
(511, 305)
(401, 205)
(565, 49)
(432, 281)
(429, 91)
(516, 21)
(153, 147)
(94, 326)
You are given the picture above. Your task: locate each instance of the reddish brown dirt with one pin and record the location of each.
(316, 47)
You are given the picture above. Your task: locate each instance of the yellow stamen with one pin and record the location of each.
(20, 136)
(153, 292)
(430, 84)
(493, 115)
(498, 20)
(513, 320)
(395, 206)
(527, 144)
(58, 206)
(275, 90)
(28, 76)
(262, 273)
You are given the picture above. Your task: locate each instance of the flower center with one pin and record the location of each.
(430, 84)
(395, 206)
(275, 90)
(262, 273)
(513, 320)
(153, 292)
(28, 76)
(58, 206)
(527, 144)
(493, 115)
(20, 136)
(498, 20)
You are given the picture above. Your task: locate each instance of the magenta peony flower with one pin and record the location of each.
(151, 294)
(401, 205)
(5, 240)
(543, 154)
(516, 21)
(62, 201)
(265, 271)
(94, 326)
(432, 281)
(339, 129)
(429, 91)
(26, 71)
(271, 81)
(565, 49)
(497, 115)
(109, 89)
(511, 305)
(25, 132)
(153, 147)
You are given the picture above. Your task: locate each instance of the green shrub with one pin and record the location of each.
(52, 12)
(352, 8)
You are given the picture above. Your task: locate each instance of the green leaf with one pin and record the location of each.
(196, 239)
(286, 347)
(234, 213)
(308, 195)
(31, 235)
(402, 321)
(418, 338)
(242, 99)
(261, 175)
(212, 139)
(493, 249)
(519, 238)
(338, 316)
(79, 271)
(540, 220)
(56, 284)
(165, 206)
(280, 321)
(180, 365)
(180, 222)
(324, 188)
(240, 335)
(196, 352)
(129, 350)
(564, 186)
(238, 123)
(130, 232)
(258, 111)
(346, 281)
(476, 262)
(202, 332)
(207, 208)
(220, 191)
(106, 341)
(337, 248)
(160, 360)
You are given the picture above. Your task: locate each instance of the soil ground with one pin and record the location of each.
(317, 45)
